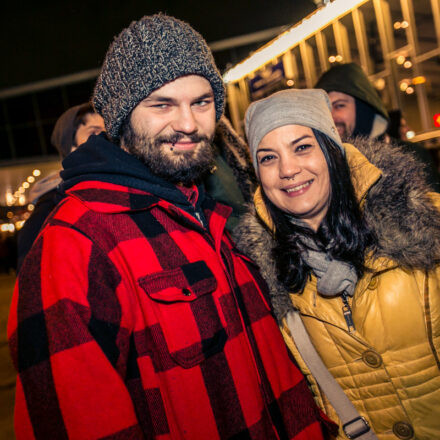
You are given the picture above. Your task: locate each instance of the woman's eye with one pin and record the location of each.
(304, 147)
(266, 158)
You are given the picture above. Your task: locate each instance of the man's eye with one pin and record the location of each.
(203, 102)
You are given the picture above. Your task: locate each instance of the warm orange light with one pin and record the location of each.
(379, 84)
(419, 80)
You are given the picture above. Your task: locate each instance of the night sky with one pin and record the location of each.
(48, 39)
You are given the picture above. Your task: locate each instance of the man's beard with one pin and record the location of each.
(185, 167)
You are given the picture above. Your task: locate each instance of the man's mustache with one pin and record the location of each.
(174, 138)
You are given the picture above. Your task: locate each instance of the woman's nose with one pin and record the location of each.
(288, 168)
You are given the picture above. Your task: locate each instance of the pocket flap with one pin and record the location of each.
(185, 283)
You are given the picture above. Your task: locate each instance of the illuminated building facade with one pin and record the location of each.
(397, 43)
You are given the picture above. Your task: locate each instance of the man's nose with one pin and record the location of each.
(185, 121)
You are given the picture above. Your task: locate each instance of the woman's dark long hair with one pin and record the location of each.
(342, 234)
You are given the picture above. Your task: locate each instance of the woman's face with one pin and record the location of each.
(294, 173)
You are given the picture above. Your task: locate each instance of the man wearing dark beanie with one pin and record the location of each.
(358, 111)
(134, 316)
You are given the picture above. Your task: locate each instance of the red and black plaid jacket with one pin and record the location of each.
(130, 320)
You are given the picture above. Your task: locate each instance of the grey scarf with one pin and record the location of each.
(335, 277)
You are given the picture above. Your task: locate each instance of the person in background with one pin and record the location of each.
(358, 111)
(398, 127)
(71, 130)
(348, 239)
(133, 314)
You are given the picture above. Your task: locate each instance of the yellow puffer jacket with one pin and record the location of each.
(389, 365)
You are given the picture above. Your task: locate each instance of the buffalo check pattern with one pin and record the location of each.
(129, 320)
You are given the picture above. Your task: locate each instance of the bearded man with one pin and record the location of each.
(134, 316)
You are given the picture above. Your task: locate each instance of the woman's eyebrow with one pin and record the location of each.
(300, 139)
(295, 141)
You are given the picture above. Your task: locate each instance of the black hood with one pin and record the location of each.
(101, 160)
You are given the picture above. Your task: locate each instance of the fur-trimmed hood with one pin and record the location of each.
(396, 203)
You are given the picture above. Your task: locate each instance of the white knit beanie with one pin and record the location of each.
(307, 107)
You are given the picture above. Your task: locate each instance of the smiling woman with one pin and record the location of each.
(348, 238)
(294, 173)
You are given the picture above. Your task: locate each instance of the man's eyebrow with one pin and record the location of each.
(167, 99)
(205, 96)
(158, 98)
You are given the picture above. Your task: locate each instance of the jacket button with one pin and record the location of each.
(372, 359)
(186, 291)
(403, 430)
(373, 283)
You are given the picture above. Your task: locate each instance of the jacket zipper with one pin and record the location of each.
(346, 310)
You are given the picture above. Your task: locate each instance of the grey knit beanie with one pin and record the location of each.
(64, 131)
(146, 55)
(307, 107)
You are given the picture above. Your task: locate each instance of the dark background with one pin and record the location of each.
(48, 39)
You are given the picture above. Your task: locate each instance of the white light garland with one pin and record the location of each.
(291, 37)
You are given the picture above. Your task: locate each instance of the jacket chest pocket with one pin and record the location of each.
(187, 314)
